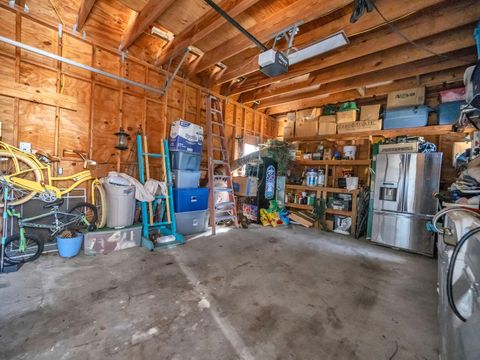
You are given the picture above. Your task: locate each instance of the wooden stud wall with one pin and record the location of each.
(103, 105)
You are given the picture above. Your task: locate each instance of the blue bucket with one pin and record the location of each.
(69, 247)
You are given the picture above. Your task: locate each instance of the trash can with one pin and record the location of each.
(120, 201)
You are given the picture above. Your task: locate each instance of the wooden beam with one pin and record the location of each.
(389, 8)
(417, 68)
(37, 95)
(301, 10)
(83, 12)
(428, 80)
(324, 70)
(201, 28)
(142, 20)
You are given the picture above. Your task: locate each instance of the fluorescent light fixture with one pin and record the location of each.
(330, 43)
(379, 84)
(165, 35)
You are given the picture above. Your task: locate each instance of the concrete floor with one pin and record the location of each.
(262, 293)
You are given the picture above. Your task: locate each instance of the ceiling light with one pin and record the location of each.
(165, 35)
(330, 43)
(379, 84)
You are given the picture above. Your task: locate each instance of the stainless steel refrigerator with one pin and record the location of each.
(403, 200)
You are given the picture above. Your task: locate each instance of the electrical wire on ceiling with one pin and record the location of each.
(368, 5)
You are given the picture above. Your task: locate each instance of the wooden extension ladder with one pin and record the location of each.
(220, 211)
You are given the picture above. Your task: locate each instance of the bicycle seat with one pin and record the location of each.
(58, 202)
(46, 157)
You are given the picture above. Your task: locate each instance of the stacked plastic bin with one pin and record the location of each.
(190, 200)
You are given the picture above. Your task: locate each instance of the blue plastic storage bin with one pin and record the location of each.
(406, 117)
(192, 199)
(183, 160)
(449, 112)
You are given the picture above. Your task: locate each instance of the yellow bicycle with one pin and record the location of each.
(31, 175)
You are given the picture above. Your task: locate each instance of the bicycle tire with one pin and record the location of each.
(92, 220)
(100, 202)
(10, 251)
(30, 164)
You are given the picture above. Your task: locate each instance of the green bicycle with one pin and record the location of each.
(22, 247)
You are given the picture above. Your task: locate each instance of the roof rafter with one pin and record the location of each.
(83, 12)
(201, 28)
(428, 80)
(368, 22)
(419, 28)
(416, 68)
(301, 10)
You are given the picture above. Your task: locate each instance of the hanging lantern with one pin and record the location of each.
(122, 140)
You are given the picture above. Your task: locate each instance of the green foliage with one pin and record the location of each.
(280, 152)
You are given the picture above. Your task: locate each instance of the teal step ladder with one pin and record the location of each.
(164, 227)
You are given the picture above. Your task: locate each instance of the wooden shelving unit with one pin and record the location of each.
(333, 162)
(417, 131)
(322, 192)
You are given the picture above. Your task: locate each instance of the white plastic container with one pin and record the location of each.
(120, 201)
(349, 152)
(311, 178)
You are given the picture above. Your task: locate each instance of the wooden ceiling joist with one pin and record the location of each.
(83, 12)
(142, 20)
(370, 21)
(301, 10)
(417, 68)
(201, 28)
(451, 76)
(420, 29)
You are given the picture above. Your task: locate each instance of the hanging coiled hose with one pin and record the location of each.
(441, 213)
(451, 268)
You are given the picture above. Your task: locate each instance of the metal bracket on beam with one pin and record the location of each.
(60, 31)
(169, 79)
(289, 35)
(123, 55)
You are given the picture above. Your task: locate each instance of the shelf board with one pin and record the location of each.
(365, 162)
(416, 131)
(299, 206)
(321, 188)
(338, 212)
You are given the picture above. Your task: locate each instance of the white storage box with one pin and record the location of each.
(185, 136)
(107, 241)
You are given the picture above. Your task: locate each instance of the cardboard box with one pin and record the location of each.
(346, 116)
(327, 119)
(245, 185)
(359, 126)
(185, 136)
(306, 127)
(327, 128)
(309, 113)
(370, 112)
(408, 97)
(286, 127)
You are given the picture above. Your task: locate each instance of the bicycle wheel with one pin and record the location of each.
(13, 254)
(100, 202)
(86, 217)
(7, 167)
